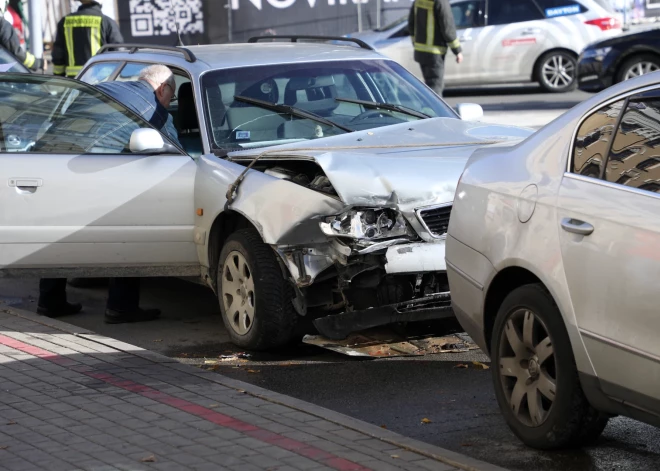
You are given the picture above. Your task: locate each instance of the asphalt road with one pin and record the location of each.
(396, 393)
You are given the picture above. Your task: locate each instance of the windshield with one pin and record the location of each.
(8, 63)
(332, 91)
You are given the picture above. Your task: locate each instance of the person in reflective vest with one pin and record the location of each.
(80, 35)
(433, 31)
(10, 41)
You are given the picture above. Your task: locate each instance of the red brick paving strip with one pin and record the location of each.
(266, 436)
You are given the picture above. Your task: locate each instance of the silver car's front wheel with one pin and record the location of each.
(255, 298)
(556, 72)
(535, 376)
(238, 292)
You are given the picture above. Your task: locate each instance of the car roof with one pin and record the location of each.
(223, 56)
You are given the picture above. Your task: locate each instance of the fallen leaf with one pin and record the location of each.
(461, 365)
(394, 456)
(480, 366)
(426, 421)
(253, 371)
(149, 459)
(383, 426)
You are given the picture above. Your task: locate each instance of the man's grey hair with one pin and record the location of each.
(157, 74)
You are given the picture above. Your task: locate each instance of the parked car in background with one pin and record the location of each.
(614, 60)
(511, 41)
(552, 257)
(315, 181)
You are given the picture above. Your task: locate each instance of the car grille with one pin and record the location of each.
(436, 219)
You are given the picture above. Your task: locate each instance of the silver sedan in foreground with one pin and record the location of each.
(553, 259)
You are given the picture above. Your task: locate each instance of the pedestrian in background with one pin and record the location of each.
(431, 25)
(80, 35)
(10, 41)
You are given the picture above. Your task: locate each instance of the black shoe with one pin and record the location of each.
(123, 317)
(65, 309)
(88, 282)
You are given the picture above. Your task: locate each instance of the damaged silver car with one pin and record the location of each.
(315, 184)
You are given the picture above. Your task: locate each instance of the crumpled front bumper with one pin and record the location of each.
(418, 257)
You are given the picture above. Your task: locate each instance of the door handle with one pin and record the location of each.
(528, 31)
(21, 183)
(576, 226)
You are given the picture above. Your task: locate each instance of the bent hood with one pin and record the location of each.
(407, 165)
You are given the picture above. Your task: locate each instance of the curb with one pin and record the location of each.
(442, 455)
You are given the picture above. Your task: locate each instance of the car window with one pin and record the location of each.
(512, 11)
(593, 140)
(634, 159)
(468, 14)
(99, 72)
(316, 88)
(556, 8)
(34, 119)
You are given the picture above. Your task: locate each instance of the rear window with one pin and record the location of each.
(556, 8)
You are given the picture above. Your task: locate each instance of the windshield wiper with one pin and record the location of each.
(291, 110)
(386, 106)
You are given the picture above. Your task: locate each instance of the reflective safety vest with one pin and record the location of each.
(80, 31)
(433, 27)
(80, 35)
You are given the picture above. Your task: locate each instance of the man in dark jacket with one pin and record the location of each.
(9, 40)
(80, 35)
(431, 25)
(149, 97)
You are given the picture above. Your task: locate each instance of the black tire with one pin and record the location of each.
(563, 58)
(274, 319)
(569, 420)
(632, 61)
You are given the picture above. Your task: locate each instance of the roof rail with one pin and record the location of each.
(295, 38)
(187, 53)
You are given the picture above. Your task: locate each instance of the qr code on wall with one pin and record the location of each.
(160, 17)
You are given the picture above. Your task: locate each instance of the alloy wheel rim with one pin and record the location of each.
(527, 367)
(558, 71)
(640, 68)
(238, 293)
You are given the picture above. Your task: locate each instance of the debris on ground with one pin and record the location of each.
(149, 459)
(461, 365)
(380, 343)
(480, 366)
(426, 421)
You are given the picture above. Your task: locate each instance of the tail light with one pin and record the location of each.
(606, 23)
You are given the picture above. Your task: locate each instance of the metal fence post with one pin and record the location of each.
(36, 28)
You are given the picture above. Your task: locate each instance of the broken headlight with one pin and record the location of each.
(369, 224)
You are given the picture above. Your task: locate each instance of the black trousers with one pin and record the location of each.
(434, 74)
(123, 293)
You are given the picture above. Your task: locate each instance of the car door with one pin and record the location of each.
(73, 195)
(609, 225)
(469, 19)
(514, 39)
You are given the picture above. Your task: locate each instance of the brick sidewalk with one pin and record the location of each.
(71, 400)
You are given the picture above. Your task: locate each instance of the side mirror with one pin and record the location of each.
(147, 140)
(470, 111)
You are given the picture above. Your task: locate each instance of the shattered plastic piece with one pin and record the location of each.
(383, 343)
(461, 365)
(149, 459)
(426, 421)
(480, 366)
(394, 456)
(211, 362)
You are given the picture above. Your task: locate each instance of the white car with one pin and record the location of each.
(553, 258)
(510, 41)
